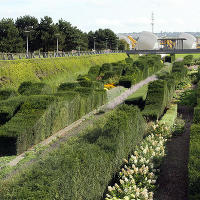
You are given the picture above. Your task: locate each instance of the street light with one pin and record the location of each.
(27, 32)
(57, 35)
(106, 43)
(94, 42)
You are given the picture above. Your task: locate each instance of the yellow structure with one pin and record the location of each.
(166, 43)
(133, 42)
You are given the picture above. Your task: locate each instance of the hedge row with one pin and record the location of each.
(30, 119)
(161, 92)
(140, 69)
(194, 162)
(82, 167)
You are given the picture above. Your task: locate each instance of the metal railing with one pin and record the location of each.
(15, 56)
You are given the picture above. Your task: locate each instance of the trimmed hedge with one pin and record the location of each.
(83, 167)
(8, 108)
(40, 116)
(30, 88)
(7, 93)
(68, 86)
(194, 163)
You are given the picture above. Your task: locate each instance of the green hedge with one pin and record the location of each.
(68, 86)
(7, 93)
(40, 116)
(30, 88)
(194, 163)
(83, 167)
(8, 108)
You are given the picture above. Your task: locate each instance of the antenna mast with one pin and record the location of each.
(152, 21)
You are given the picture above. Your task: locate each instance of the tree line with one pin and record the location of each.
(43, 35)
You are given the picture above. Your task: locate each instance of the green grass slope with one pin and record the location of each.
(50, 70)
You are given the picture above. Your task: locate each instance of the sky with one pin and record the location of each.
(122, 16)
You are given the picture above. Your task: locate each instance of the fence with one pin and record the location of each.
(15, 56)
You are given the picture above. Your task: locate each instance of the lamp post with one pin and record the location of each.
(27, 32)
(106, 43)
(94, 43)
(57, 35)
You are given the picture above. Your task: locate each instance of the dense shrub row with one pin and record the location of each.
(31, 118)
(82, 167)
(139, 175)
(161, 92)
(140, 69)
(194, 161)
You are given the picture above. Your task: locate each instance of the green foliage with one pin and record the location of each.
(30, 88)
(188, 59)
(196, 118)
(129, 61)
(8, 108)
(108, 75)
(188, 98)
(82, 167)
(52, 71)
(106, 67)
(7, 93)
(179, 126)
(159, 95)
(126, 81)
(68, 86)
(194, 163)
(94, 71)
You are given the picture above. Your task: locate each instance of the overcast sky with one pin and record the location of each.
(121, 16)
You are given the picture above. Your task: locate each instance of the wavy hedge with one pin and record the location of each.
(50, 70)
(27, 120)
(82, 167)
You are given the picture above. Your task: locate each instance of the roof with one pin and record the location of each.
(171, 38)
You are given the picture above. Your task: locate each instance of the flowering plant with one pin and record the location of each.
(139, 175)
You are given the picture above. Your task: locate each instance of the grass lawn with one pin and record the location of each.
(140, 93)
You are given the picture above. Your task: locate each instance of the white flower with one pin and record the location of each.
(110, 188)
(121, 181)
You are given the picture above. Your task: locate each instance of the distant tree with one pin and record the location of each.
(10, 40)
(29, 23)
(123, 45)
(72, 37)
(102, 36)
(46, 34)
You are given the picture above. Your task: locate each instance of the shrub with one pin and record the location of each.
(108, 75)
(7, 93)
(94, 71)
(196, 118)
(187, 60)
(106, 67)
(29, 88)
(83, 167)
(9, 108)
(68, 86)
(129, 61)
(126, 81)
(194, 162)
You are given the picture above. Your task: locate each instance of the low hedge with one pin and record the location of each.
(83, 167)
(68, 86)
(8, 108)
(30, 88)
(194, 163)
(42, 115)
(7, 93)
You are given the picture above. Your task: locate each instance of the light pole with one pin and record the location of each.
(106, 43)
(57, 35)
(94, 43)
(27, 32)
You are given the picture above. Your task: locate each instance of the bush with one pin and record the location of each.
(179, 126)
(157, 100)
(108, 75)
(94, 71)
(129, 61)
(194, 163)
(9, 108)
(187, 60)
(106, 67)
(83, 167)
(196, 118)
(7, 93)
(29, 88)
(68, 86)
(126, 81)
